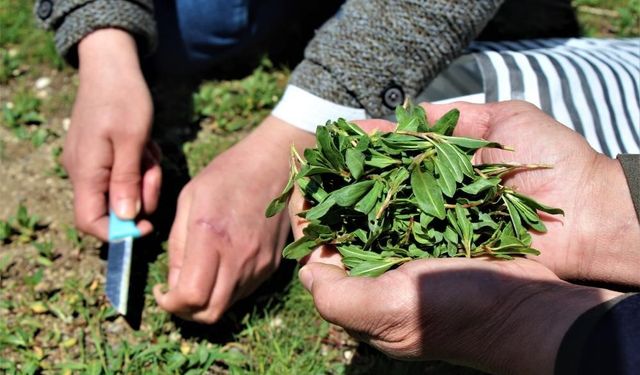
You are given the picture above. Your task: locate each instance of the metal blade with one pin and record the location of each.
(118, 273)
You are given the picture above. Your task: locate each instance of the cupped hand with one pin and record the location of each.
(221, 245)
(107, 152)
(497, 316)
(598, 238)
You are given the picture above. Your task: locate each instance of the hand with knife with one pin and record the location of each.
(221, 246)
(107, 152)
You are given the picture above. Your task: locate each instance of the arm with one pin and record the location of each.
(375, 53)
(72, 20)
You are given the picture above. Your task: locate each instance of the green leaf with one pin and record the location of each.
(462, 160)
(471, 143)
(355, 162)
(428, 193)
(465, 227)
(368, 202)
(352, 251)
(446, 179)
(373, 268)
(514, 215)
(446, 123)
(481, 184)
(413, 118)
(448, 159)
(299, 248)
(328, 148)
(317, 212)
(350, 194)
(537, 205)
(379, 160)
(280, 202)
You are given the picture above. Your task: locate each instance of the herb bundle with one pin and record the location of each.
(383, 199)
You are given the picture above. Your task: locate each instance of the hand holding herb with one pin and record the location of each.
(596, 238)
(383, 199)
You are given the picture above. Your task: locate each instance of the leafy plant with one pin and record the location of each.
(22, 224)
(383, 199)
(23, 112)
(9, 64)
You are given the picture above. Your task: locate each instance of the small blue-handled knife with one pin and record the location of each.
(121, 236)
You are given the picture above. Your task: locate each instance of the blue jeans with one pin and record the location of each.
(197, 35)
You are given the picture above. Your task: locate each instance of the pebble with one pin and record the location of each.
(42, 83)
(348, 355)
(66, 122)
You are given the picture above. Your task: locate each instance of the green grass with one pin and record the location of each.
(53, 314)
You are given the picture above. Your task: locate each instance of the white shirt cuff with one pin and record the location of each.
(306, 111)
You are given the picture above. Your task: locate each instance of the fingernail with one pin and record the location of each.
(127, 208)
(306, 277)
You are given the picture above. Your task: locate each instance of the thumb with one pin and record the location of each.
(339, 298)
(323, 273)
(124, 187)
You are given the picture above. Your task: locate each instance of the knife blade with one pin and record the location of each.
(121, 238)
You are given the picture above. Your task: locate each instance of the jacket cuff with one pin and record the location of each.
(306, 111)
(74, 19)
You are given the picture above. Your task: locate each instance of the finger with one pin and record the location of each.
(151, 182)
(221, 298)
(297, 204)
(90, 177)
(474, 121)
(324, 254)
(340, 299)
(124, 189)
(199, 268)
(90, 210)
(178, 237)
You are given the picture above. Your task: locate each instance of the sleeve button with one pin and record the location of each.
(393, 96)
(45, 8)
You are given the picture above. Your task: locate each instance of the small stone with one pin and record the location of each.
(42, 83)
(38, 307)
(348, 355)
(276, 322)
(72, 341)
(66, 122)
(185, 348)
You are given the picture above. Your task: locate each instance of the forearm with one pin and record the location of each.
(372, 46)
(611, 230)
(72, 20)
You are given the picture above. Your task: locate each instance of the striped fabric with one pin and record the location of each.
(590, 85)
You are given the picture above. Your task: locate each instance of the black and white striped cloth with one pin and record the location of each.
(590, 85)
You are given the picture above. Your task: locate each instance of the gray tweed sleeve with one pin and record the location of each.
(72, 20)
(374, 53)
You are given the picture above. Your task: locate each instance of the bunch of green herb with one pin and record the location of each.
(383, 199)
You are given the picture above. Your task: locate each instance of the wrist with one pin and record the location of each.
(610, 238)
(528, 341)
(107, 50)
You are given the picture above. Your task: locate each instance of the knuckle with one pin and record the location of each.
(208, 317)
(194, 298)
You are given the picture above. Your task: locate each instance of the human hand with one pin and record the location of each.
(496, 316)
(221, 245)
(598, 238)
(107, 148)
